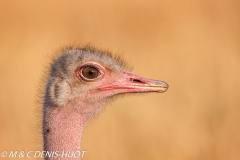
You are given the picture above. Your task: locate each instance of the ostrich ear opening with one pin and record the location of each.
(59, 92)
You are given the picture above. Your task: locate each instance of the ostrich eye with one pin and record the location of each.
(90, 73)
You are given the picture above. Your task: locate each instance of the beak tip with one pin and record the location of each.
(164, 87)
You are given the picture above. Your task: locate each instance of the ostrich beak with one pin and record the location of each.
(131, 83)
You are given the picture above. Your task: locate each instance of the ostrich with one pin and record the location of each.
(81, 81)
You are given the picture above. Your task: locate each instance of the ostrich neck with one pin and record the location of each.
(62, 131)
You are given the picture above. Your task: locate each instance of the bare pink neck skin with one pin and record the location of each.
(62, 130)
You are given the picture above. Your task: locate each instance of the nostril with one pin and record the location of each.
(135, 80)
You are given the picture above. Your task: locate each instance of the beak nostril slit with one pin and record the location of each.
(135, 80)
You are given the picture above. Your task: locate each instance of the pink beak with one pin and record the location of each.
(134, 83)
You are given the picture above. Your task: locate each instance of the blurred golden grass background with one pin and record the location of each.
(192, 45)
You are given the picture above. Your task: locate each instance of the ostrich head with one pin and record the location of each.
(91, 77)
(80, 82)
